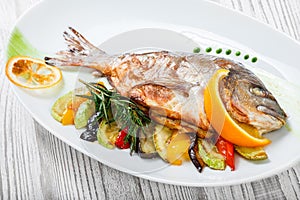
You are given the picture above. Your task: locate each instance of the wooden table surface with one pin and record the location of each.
(36, 165)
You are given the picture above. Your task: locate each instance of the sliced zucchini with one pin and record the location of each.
(60, 106)
(252, 153)
(161, 139)
(210, 155)
(107, 134)
(84, 112)
(147, 148)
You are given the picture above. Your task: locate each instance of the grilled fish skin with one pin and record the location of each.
(172, 84)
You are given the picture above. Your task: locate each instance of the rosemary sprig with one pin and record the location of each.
(115, 107)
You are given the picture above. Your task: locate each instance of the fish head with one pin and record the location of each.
(247, 100)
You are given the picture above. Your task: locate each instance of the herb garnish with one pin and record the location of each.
(114, 107)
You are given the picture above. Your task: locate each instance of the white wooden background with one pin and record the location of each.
(36, 165)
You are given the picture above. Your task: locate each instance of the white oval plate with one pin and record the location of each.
(120, 26)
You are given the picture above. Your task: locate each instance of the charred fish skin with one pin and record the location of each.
(173, 83)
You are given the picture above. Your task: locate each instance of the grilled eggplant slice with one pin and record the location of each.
(194, 153)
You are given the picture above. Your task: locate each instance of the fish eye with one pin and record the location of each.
(258, 91)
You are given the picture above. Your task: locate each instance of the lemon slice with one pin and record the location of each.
(222, 122)
(32, 73)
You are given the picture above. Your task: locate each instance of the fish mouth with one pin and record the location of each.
(270, 106)
(277, 113)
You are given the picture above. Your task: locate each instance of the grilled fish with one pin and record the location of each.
(171, 85)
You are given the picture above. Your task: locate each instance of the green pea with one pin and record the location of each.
(246, 57)
(218, 51)
(197, 50)
(209, 49)
(254, 60)
(228, 52)
(238, 53)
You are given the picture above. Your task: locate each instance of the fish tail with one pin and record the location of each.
(80, 52)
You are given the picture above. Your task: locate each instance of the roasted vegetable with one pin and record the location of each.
(107, 134)
(84, 112)
(194, 153)
(227, 150)
(123, 110)
(61, 105)
(161, 139)
(177, 149)
(171, 145)
(68, 116)
(146, 147)
(210, 155)
(90, 134)
(120, 142)
(255, 153)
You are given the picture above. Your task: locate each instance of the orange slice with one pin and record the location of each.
(32, 73)
(220, 119)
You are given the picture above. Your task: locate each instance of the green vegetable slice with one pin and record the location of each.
(84, 112)
(107, 134)
(60, 106)
(210, 155)
(161, 139)
(254, 153)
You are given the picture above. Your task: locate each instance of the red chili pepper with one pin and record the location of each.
(120, 141)
(227, 150)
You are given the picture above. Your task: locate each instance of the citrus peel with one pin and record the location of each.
(32, 73)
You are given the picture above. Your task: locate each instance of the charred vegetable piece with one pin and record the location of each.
(90, 134)
(146, 146)
(120, 140)
(107, 134)
(194, 153)
(257, 153)
(227, 150)
(137, 144)
(93, 122)
(210, 155)
(161, 139)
